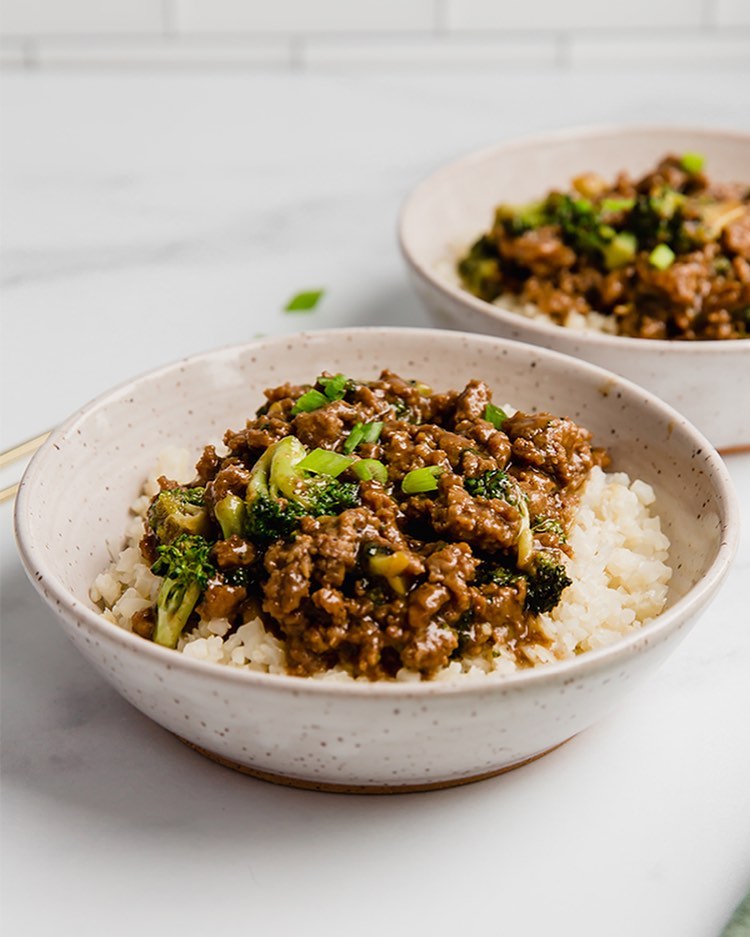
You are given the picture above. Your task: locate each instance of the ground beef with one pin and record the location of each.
(559, 254)
(388, 578)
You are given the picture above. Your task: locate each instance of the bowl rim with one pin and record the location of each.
(541, 327)
(54, 593)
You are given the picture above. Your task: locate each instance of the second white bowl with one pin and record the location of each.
(707, 381)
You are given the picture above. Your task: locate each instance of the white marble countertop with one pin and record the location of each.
(150, 216)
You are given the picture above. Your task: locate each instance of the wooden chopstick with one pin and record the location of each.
(8, 492)
(17, 452)
(22, 449)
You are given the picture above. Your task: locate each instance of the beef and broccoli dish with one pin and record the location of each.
(380, 530)
(378, 525)
(666, 256)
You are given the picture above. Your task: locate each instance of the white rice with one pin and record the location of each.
(619, 571)
(591, 322)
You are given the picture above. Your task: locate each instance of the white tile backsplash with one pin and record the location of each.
(572, 14)
(733, 12)
(440, 53)
(192, 53)
(353, 34)
(660, 52)
(298, 16)
(81, 17)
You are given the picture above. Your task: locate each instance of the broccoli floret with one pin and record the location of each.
(279, 493)
(549, 525)
(480, 270)
(579, 221)
(186, 569)
(500, 575)
(491, 484)
(271, 519)
(658, 218)
(332, 497)
(178, 511)
(546, 581)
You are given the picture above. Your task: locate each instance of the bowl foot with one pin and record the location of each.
(332, 788)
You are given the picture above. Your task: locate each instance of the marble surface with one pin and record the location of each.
(149, 216)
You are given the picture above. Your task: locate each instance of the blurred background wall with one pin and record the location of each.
(384, 34)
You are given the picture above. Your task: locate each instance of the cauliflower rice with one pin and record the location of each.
(619, 570)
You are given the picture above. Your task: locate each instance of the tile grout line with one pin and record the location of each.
(297, 58)
(30, 55)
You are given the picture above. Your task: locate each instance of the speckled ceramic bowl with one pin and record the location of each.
(448, 211)
(72, 509)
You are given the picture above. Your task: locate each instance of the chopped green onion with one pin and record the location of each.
(421, 479)
(661, 257)
(692, 162)
(372, 431)
(325, 462)
(369, 469)
(309, 401)
(304, 302)
(620, 251)
(334, 387)
(354, 438)
(613, 205)
(495, 415)
(362, 432)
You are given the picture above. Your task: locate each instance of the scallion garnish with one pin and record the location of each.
(362, 432)
(620, 251)
(421, 479)
(325, 462)
(614, 205)
(304, 302)
(372, 431)
(692, 162)
(662, 257)
(334, 387)
(354, 438)
(370, 469)
(495, 415)
(309, 401)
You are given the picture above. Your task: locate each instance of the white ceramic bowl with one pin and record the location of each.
(73, 505)
(446, 213)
